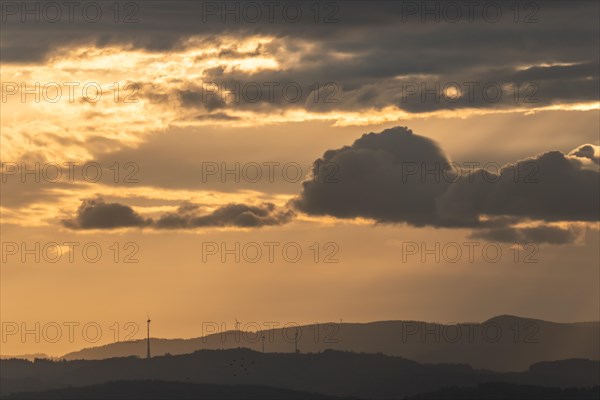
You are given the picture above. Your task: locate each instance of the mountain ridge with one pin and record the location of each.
(331, 373)
(503, 343)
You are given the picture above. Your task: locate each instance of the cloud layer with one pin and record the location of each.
(389, 46)
(97, 214)
(397, 176)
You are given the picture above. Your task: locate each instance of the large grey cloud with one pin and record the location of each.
(97, 214)
(161, 25)
(375, 179)
(397, 176)
(550, 186)
(385, 50)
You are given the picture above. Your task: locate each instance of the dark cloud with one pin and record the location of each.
(163, 25)
(96, 214)
(551, 187)
(396, 176)
(240, 215)
(386, 49)
(322, 86)
(376, 179)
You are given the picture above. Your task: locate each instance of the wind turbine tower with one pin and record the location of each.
(148, 337)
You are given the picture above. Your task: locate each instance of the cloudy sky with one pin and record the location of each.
(296, 162)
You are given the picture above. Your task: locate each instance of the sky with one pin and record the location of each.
(294, 162)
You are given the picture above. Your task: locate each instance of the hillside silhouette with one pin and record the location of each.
(29, 357)
(178, 390)
(495, 391)
(168, 390)
(521, 342)
(331, 373)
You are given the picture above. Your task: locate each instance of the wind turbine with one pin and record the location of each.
(237, 325)
(262, 339)
(148, 337)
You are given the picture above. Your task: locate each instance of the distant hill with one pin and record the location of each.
(168, 390)
(503, 343)
(331, 373)
(495, 391)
